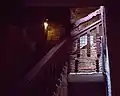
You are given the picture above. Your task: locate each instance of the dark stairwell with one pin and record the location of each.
(57, 68)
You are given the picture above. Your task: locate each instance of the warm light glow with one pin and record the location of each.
(45, 25)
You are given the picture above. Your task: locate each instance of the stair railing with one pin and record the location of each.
(45, 78)
(99, 39)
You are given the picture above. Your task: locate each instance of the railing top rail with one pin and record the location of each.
(87, 18)
(35, 70)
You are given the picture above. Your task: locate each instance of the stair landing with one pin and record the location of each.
(85, 77)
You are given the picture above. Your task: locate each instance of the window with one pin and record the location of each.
(83, 41)
(91, 40)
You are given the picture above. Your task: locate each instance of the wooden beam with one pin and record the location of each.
(84, 30)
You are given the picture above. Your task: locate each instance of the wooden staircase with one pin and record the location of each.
(54, 76)
(87, 76)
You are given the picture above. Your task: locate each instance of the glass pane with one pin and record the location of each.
(83, 41)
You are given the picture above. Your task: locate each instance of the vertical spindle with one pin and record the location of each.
(97, 65)
(76, 66)
(98, 41)
(88, 43)
(78, 48)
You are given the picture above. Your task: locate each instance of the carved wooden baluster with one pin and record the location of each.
(76, 65)
(58, 86)
(98, 48)
(78, 52)
(97, 65)
(98, 41)
(55, 94)
(88, 44)
(62, 84)
(73, 55)
(78, 48)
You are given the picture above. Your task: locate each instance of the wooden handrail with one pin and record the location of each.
(87, 18)
(43, 76)
(34, 71)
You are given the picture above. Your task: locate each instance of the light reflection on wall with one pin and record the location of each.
(53, 32)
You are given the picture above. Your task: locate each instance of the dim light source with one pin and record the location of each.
(45, 25)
